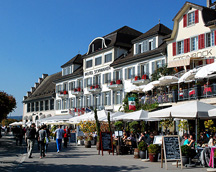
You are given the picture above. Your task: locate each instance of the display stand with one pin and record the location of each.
(106, 142)
(171, 150)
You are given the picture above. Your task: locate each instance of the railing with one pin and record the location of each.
(76, 90)
(95, 87)
(116, 82)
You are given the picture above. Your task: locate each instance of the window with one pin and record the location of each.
(46, 104)
(144, 69)
(97, 80)
(180, 47)
(191, 18)
(88, 101)
(41, 106)
(58, 104)
(151, 45)
(58, 88)
(51, 104)
(106, 78)
(88, 82)
(32, 107)
(72, 103)
(209, 39)
(65, 86)
(98, 61)
(107, 98)
(194, 43)
(28, 107)
(79, 83)
(37, 106)
(88, 63)
(157, 64)
(64, 104)
(71, 85)
(118, 97)
(108, 58)
(130, 74)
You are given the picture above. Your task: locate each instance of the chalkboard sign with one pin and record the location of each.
(172, 149)
(106, 141)
(73, 138)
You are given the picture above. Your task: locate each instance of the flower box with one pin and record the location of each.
(118, 82)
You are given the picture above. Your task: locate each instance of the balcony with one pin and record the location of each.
(94, 88)
(63, 94)
(77, 91)
(115, 85)
(140, 79)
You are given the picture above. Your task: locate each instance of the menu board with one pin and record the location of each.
(172, 148)
(106, 141)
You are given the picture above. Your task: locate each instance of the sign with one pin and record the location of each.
(158, 140)
(97, 71)
(132, 103)
(172, 149)
(73, 138)
(118, 133)
(106, 142)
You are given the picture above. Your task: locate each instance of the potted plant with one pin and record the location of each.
(142, 146)
(183, 126)
(186, 151)
(80, 140)
(153, 152)
(88, 139)
(167, 123)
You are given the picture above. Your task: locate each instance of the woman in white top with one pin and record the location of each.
(211, 141)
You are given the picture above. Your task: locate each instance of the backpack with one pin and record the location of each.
(28, 133)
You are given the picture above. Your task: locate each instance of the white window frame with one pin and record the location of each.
(191, 18)
(91, 63)
(110, 53)
(100, 61)
(180, 47)
(194, 43)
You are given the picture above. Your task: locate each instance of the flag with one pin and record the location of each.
(88, 110)
(79, 112)
(72, 112)
(132, 103)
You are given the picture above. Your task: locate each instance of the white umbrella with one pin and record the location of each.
(164, 80)
(112, 115)
(212, 112)
(16, 123)
(206, 71)
(151, 85)
(83, 117)
(134, 88)
(189, 75)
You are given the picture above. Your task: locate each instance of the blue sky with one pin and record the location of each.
(39, 36)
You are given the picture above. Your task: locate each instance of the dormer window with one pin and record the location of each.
(98, 44)
(146, 45)
(191, 18)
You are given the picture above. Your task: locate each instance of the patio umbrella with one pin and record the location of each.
(151, 85)
(164, 80)
(189, 75)
(191, 110)
(112, 116)
(55, 118)
(140, 115)
(206, 71)
(16, 123)
(212, 112)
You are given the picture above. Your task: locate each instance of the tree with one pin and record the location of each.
(7, 104)
(162, 71)
(6, 122)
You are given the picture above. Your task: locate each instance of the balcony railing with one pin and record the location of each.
(63, 93)
(115, 84)
(140, 79)
(94, 88)
(76, 91)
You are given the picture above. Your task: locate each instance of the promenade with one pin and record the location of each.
(74, 158)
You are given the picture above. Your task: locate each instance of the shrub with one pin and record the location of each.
(153, 148)
(142, 146)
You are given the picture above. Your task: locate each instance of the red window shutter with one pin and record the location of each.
(185, 46)
(199, 42)
(188, 45)
(203, 41)
(174, 48)
(211, 60)
(185, 20)
(197, 16)
(207, 61)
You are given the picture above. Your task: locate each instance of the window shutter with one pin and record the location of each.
(103, 95)
(185, 45)
(174, 48)
(197, 16)
(136, 48)
(138, 70)
(84, 101)
(121, 74)
(153, 66)
(185, 20)
(81, 101)
(154, 43)
(99, 80)
(215, 37)
(73, 102)
(109, 99)
(147, 68)
(93, 104)
(94, 80)
(114, 75)
(90, 81)
(103, 78)
(125, 73)
(121, 97)
(201, 41)
(85, 83)
(109, 77)
(133, 72)
(113, 97)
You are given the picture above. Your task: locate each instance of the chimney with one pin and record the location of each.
(36, 84)
(28, 93)
(24, 97)
(33, 89)
(44, 76)
(40, 80)
(208, 3)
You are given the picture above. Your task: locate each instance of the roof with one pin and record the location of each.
(75, 60)
(45, 89)
(121, 37)
(158, 29)
(77, 73)
(130, 58)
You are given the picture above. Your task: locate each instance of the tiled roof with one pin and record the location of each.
(45, 89)
(130, 58)
(158, 29)
(121, 37)
(77, 73)
(75, 60)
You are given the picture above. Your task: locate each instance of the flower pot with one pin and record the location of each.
(136, 153)
(185, 160)
(142, 154)
(87, 144)
(153, 157)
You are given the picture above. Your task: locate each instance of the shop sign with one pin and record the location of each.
(97, 71)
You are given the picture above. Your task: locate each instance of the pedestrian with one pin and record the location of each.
(20, 135)
(30, 135)
(41, 139)
(37, 136)
(59, 134)
(48, 134)
(66, 136)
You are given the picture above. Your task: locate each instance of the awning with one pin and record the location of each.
(178, 63)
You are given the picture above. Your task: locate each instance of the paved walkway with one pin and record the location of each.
(76, 159)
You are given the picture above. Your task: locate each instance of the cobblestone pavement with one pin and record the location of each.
(74, 158)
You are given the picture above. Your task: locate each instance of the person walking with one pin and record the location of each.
(59, 134)
(41, 139)
(47, 137)
(66, 136)
(30, 135)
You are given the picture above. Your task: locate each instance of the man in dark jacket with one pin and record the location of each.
(30, 134)
(150, 139)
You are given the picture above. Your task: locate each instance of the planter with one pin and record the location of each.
(153, 157)
(175, 95)
(136, 153)
(80, 142)
(87, 144)
(142, 154)
(185, 160)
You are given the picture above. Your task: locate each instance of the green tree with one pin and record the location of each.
(6, 122)
(162, 71)
(7, 104)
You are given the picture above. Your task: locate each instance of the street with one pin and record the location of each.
(74, 158)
